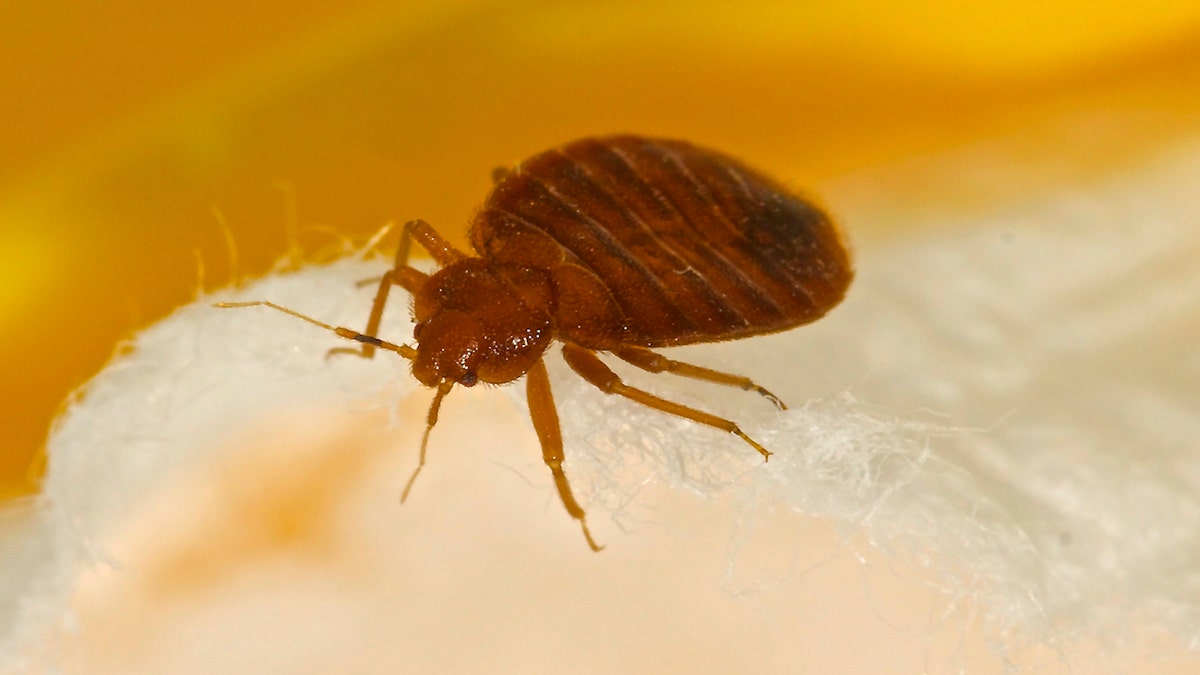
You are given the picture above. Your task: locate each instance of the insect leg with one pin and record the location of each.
(591, 368)
(404, 275)
(545, 422)
(441, 250)
(656, 363)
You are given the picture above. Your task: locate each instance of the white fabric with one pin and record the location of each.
(1011, 400)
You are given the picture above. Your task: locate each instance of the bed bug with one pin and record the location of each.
(618, 244)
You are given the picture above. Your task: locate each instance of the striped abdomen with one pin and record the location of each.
(691, 245)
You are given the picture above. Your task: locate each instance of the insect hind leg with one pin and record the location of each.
(656, 363)
(589, 366)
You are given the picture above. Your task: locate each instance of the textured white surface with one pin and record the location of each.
(1012, 402)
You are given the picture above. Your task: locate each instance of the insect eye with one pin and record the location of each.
(417, 330)
(468, 379)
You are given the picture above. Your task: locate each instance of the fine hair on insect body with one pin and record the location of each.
(618, 245)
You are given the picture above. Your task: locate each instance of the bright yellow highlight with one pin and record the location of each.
(1018, 38)
(131, 126)
(27, 262)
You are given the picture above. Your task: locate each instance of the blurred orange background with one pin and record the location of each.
(135, 136)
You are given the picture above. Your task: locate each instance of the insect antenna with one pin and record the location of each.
(430, 420)
(403, 350)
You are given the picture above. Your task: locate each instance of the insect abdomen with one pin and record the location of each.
(692, 245)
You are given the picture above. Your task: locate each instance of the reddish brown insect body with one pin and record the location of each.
(617, 245)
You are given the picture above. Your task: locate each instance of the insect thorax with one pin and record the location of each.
(477, 321)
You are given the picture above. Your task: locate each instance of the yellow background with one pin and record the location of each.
(131, 130)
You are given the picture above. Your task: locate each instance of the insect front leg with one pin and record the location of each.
(545, 422)
(656, 363)
(404, 275)
(591, 368)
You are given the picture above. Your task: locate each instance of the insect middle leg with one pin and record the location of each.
(404, 275)
(591, 368)
(656, 363)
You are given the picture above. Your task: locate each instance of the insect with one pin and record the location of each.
(618, 244)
